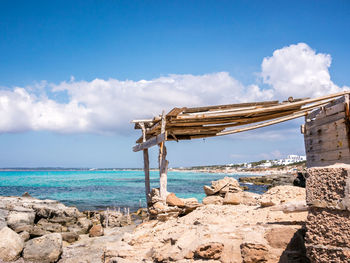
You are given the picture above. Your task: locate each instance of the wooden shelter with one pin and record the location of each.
(210, 121)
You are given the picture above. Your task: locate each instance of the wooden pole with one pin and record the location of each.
(146, 168)
(163, 164)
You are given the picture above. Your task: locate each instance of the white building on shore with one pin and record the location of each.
(292, 158)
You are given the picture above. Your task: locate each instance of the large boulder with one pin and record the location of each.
(20, 220)
(11, 244)
(44, 249)
(282, 194)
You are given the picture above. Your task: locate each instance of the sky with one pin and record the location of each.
(74, 73)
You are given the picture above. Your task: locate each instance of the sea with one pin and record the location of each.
(97, 190)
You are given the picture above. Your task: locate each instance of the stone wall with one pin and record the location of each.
(328, 223)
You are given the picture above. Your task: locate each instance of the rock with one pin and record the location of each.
(11, 244)
(232, 199)
(26, 194)
(44, 249)
(208, 190)
(173, 200)
(48, 226)
(18, 220)
(96, 231)
(254, 253)
(37, 231)
(25, 236)
(159, 206)
(70, 237)
(155, 196)
(222, 186)
(214, 199)
(280, 237)
(212, 250)
(84, 224)
(3, 216)
(244, 198)
(282, 194)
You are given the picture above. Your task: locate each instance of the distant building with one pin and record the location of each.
(292, 158)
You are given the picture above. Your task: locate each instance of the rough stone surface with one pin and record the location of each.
(84, 224)
(47, 248)
(17, 220)
(214, 199)
(96, 231)
(245, 198)
(173, 200)
(280, 237)
(11, 244)
(328, 227)
(69, 237)
(211, 250)
(222, 186)
(24, 235)
(177, 239)
(254, 253)
(282, 194)
(326, 255)
(328, 186)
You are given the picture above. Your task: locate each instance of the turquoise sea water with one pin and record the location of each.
(90, 190)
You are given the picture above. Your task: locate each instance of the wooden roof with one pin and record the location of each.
(201, 122)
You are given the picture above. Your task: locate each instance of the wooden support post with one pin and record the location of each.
(146, 168)
(163, 164)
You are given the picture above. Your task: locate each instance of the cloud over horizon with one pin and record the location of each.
(107, 106)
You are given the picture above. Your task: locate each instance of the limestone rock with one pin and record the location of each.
(25, 236)
(212, 250)
(96, 231)
(173, 200)
(18, 220)
(84, 224)
(70, 237)
(244, 198)
(44, 249)
(159, 206)
(282, 194)
(214, 199)
(254, 253)
(280, 237)
(222, 186)
(11, 244)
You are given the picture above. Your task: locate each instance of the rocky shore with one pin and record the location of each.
(230, 225)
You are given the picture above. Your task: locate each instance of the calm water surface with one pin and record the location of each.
(101, 189)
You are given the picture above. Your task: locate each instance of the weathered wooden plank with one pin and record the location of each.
(340, 100)
(174, 112)
(326, 128)
(326, 120)
(264, 124)
(149, 143)
(225, 106)
(335, 155)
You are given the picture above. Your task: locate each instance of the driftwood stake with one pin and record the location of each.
(163, 163)
(146, 167)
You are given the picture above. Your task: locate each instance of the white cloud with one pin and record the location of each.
(298, 71)
(107, 106)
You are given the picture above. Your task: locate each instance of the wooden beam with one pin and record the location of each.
(264, 124)
(149, 143)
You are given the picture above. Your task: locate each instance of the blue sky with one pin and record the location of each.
(54, 51)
